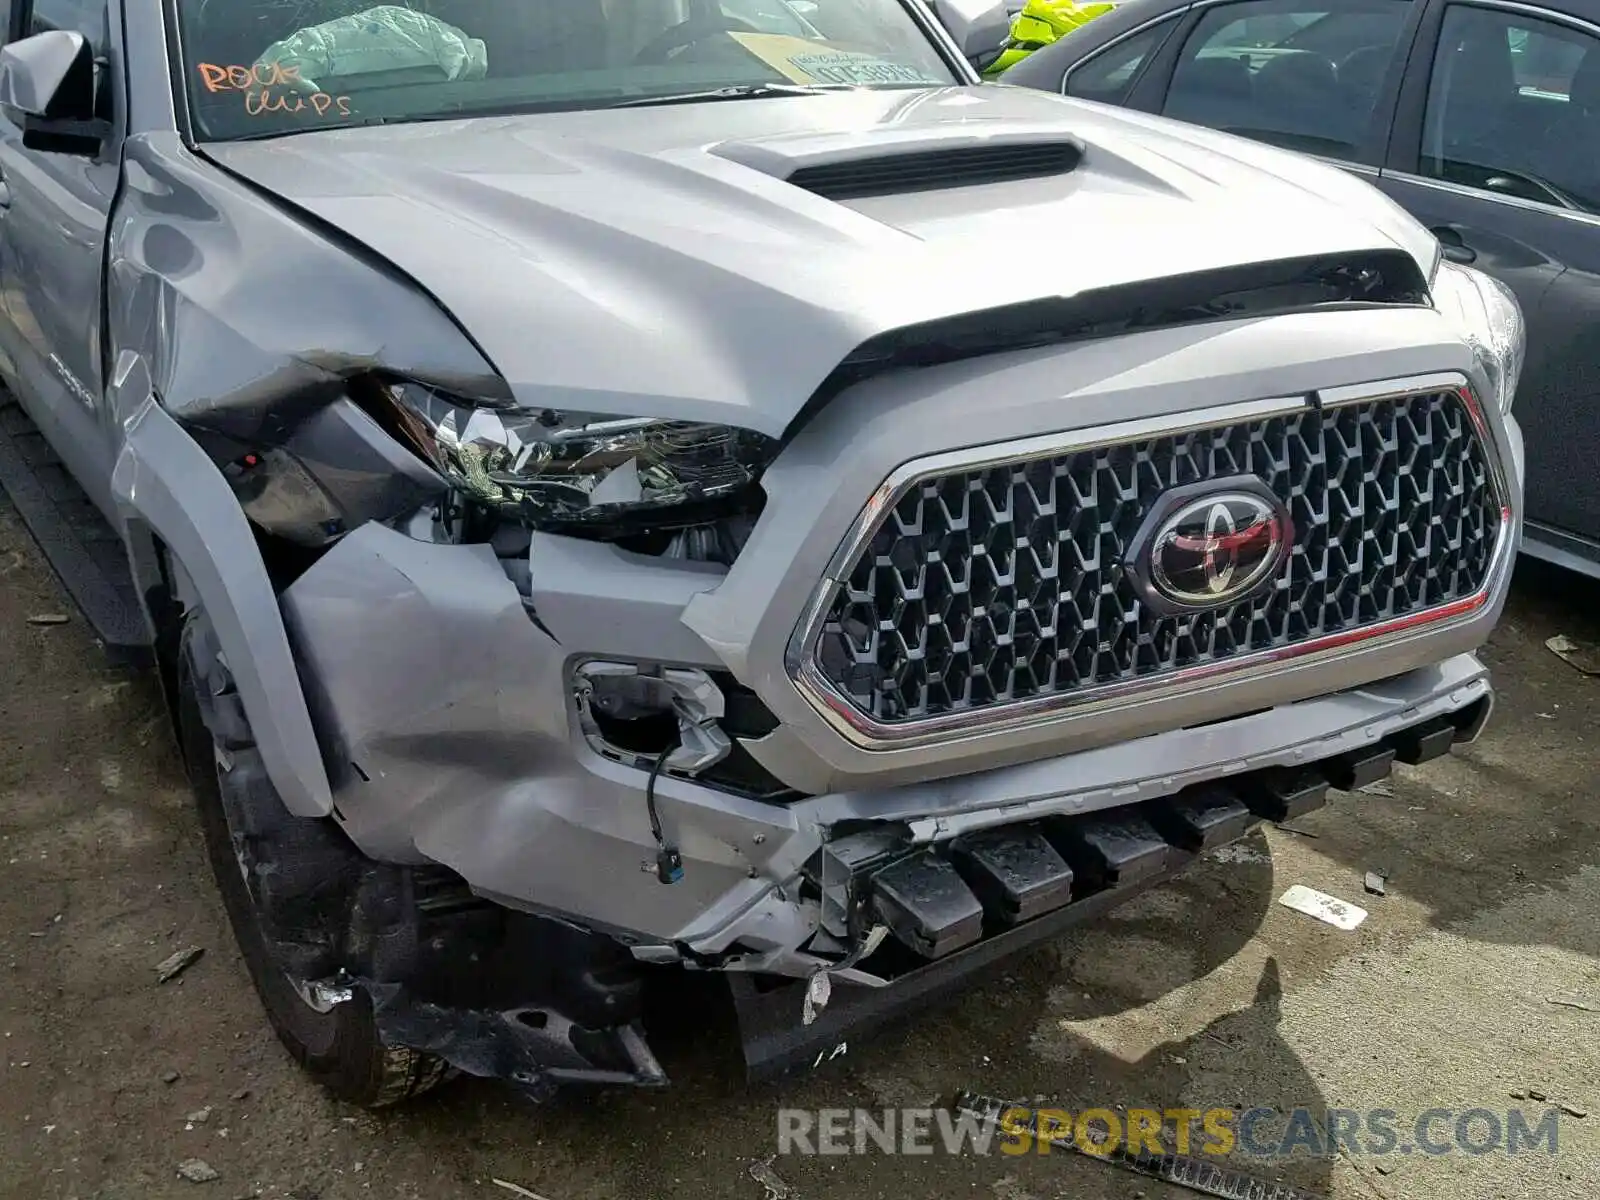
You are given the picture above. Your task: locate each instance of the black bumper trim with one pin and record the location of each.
(927, 905)
(1425, 742)
(1114, 855)
(1362, 768)
(775, 1041)
(1016, 874)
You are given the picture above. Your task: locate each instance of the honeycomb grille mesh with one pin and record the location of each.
(987, 587)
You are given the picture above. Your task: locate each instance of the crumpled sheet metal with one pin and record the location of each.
(249, 317)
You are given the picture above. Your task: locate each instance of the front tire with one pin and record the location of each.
(245, 826)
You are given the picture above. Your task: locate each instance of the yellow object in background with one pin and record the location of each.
(1038, 24)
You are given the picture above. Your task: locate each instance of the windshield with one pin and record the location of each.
(264, 67)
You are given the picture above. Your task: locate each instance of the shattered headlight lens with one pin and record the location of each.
(1489, 318)
(542, 464)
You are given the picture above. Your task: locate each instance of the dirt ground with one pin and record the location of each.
(1203, 993)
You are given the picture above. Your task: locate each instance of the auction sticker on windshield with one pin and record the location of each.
(804, 61)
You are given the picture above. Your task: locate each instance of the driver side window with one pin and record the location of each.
(1514, 108)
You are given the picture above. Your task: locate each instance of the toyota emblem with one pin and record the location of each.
(1211, 545)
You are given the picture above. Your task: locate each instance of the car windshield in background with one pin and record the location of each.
(263, 67)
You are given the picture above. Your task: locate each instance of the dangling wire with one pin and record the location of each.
(669, 863)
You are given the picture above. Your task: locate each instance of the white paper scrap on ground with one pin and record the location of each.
(1336, 912)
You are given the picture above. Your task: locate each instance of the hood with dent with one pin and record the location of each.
(654, 261)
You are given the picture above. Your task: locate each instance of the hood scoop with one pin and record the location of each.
(925, 170)
(889, 163)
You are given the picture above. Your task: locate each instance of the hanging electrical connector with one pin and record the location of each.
(669, 862)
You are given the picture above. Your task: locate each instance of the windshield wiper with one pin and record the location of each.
(738, 91)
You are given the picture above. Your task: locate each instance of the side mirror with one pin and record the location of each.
(47, 86)
(980, 27)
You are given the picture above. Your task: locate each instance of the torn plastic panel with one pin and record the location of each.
(435, 691)
(545, 1002)
(607, 601)
(336, 471)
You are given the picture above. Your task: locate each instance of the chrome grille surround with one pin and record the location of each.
(1151, 661)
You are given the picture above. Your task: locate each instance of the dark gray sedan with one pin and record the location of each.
(1482, 119)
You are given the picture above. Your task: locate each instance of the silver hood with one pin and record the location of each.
(654, 262)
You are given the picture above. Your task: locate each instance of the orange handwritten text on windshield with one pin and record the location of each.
(240, 79)
(271, 88)
(266, 101)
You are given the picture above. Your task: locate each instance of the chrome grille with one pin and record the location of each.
(987, 588)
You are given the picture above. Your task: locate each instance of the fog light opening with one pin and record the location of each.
(665, 719)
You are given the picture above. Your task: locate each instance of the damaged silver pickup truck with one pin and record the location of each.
(621, 484)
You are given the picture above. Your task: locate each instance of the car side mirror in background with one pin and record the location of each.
(47, 87)
(979, 27)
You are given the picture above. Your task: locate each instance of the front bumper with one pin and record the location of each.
(451, 733)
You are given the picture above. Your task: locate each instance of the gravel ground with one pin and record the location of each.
(1203, 993)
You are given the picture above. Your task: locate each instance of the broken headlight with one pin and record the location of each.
(555, 466)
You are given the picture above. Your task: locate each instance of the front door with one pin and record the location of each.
(54, 212)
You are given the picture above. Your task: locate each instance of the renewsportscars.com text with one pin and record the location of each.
(1257, 1132)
